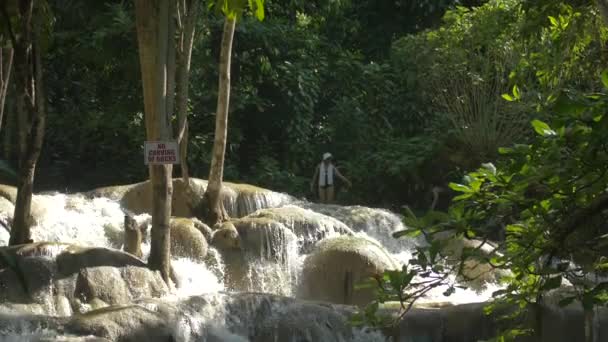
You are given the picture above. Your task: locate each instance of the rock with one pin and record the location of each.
(9, 192)
(133, 237)
(63, 277)
(226, 237)
(309, 226)
(116, 192)
(104, 283)
(203, 228)
(469, 322)
(250, 244)
(7, 208)
(243, 199)
(70, 339)
(123, 324)
(332, 270)
(475, 273)
(239, 199)
(186, 240)
(258, 237)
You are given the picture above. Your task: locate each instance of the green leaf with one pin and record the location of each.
(460, 187)
(407, 232)
(516, 92)
(605, 78)
(505, 150)
(553, 21)
(508, 97)
(542, 128)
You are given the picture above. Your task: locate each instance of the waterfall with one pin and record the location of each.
(290, 229)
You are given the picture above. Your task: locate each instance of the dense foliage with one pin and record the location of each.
(543, 202)
(315, 76)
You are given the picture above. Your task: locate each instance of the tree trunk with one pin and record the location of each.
(9, 127)
(6, 63)
(183, 156)
(215, 211)
(189, 11)
(32, 114)
(154, 33)
(590, 326)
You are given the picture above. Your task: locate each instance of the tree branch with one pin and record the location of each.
(8, 23)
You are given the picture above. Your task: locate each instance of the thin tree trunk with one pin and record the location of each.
(6, 63)
(183, 156)
(28, 72)
(154, 35)
(189, 12)
(215, 211)
(9, 127)
(590, 326)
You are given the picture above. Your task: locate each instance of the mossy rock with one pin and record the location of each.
(41, 272)
(122, 324)
(9, 192)
(260, 238)
(337, 265)
(187, 241)
(309, 226)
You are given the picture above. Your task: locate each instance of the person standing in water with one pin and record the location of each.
(325, 174)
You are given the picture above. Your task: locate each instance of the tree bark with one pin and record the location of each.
(32, 116)
(215, 211)
(154, 33)
(183, 156)
(6, 63)
(9, 127)
(189, 11)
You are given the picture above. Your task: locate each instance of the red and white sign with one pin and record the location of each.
(161, 152)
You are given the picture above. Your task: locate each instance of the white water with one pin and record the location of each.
(99, 222)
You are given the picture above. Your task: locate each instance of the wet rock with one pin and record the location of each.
(123, 323)
(332, 270)
(243, 199)
(475, 273)
(469, 322)
(309, 226)
(256, 254)
(187, 241)
(61, 277)
(258, 237)
(239, 199)
(9, 192)
(70, 339)
(7, 209)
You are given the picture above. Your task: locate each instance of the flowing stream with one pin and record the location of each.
(79, 219)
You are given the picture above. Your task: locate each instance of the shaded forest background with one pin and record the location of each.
(379, 83)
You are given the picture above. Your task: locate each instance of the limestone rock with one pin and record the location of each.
(187, 241)
(9, 192)
(336, 265)
(239, 199)
(62, 277)
(122, 324)
(309, 226)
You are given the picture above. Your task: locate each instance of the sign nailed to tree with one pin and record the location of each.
(161, 152)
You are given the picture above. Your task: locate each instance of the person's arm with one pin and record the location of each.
(314, 179)
(342, 177)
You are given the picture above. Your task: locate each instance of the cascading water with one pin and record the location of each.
(74, 218)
